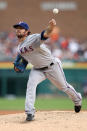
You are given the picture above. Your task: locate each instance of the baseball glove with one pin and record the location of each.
(20, 64)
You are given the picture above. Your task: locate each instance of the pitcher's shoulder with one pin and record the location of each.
(32, 36)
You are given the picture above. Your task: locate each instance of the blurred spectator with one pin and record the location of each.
(85, 88)
(73, 45)
(85, 53)
(65, 44)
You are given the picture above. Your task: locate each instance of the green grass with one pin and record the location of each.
(41, 104)
(12, 104)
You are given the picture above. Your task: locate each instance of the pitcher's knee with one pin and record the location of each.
(63, 88)
(31, 84)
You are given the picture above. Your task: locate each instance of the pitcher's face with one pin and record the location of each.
(21, 32)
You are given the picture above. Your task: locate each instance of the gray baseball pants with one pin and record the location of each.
(56, 75)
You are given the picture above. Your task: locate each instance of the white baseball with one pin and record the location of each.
(55, 11)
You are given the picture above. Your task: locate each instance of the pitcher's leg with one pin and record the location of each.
(57, 77)
(35, 78)
(75, 96)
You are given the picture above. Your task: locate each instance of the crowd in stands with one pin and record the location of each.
(65, 49)
(70, 49)
(8, 44)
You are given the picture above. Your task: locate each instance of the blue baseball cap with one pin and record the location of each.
(22, 24)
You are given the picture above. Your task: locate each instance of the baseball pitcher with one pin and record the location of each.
(33, 49)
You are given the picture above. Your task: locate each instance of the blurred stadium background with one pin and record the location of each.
(71, 46)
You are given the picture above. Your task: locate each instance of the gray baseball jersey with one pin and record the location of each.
(35, 51)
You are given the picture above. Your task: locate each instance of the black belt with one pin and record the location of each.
(44, 68)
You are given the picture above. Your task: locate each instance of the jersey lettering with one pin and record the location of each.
(24, 50)
(30, 48)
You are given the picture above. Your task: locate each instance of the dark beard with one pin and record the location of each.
(20, 36)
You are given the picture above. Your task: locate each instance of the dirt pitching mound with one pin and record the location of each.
(45, 121)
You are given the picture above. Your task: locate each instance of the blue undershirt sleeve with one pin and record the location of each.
(42, 36)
